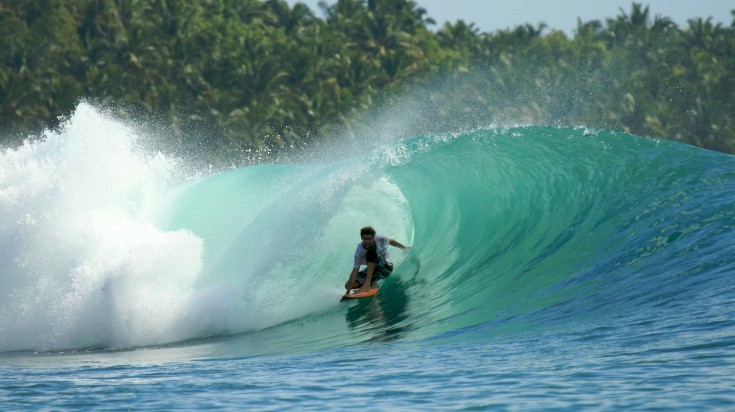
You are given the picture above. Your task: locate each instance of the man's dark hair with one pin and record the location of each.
(367, 230)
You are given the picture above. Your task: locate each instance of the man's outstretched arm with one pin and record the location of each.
(397, 244)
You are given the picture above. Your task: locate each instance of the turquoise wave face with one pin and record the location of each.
(535, 227)
(514, 231)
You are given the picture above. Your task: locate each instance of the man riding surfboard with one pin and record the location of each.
(372, 251)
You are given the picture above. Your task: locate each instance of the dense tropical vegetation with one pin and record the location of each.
(245, 76)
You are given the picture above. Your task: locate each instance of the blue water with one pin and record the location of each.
(551, 268)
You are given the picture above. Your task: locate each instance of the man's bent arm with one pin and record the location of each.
(369, 278)
(351, 280)
(396, 243)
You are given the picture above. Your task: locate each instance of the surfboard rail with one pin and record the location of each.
(352, 295)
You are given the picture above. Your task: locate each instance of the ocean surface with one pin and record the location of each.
(550, 269)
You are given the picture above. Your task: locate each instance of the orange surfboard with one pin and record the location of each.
(352, 295)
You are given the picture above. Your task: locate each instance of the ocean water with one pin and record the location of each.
(550, 269)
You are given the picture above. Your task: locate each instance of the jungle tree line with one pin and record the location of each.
(249, 75)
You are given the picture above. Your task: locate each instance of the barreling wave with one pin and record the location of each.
(514, 230)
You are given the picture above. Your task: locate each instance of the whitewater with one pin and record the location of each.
(550, 268)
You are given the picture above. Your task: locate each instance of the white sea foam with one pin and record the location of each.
(102, 246)
(82, 261)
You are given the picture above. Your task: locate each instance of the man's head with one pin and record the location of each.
(367, 230)
(367, 234)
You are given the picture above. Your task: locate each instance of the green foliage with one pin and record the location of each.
(248, 76)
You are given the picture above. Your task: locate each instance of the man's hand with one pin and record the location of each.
(364, 288)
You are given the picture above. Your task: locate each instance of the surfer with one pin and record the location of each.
(372, 251)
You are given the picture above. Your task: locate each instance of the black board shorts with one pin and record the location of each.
(383, 269)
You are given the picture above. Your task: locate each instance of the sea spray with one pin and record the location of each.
(82, 262)
(107, 245)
